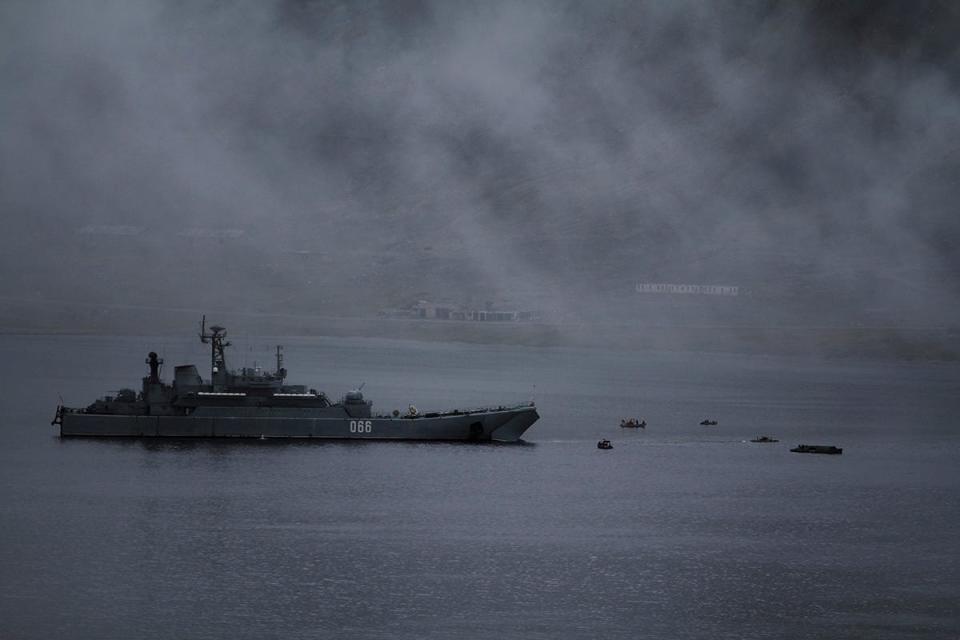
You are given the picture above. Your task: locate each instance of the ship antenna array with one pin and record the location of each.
(281, 372)
(216, 338)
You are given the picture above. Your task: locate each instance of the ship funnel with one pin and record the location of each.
(186, 378)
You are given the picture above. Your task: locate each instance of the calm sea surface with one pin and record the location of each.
(681, 531)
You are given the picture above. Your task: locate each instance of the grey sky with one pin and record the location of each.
(550, 154)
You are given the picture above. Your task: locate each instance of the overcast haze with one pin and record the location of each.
(337, 158)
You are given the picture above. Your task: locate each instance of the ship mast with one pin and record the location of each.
(218, 361)
(281, 372)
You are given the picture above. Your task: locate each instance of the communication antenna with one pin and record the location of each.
(218, 342)
(281, 372)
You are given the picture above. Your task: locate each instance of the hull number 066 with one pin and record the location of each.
(361, 426)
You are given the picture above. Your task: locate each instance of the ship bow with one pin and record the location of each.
(511, 430)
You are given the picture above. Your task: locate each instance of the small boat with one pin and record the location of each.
(764, 439)
(708, 423)
(604, 444)
(633, 423)
(817, 448)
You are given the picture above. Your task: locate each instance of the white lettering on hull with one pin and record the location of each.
(361, 426)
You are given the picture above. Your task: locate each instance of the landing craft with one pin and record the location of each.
(253, 403)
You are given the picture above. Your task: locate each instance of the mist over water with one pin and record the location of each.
(334, 158)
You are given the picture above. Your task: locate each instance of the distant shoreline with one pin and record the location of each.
(886, 343)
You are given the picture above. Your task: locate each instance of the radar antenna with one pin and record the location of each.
(155, 366)
(218, 342)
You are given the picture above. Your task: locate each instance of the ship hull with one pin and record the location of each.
(506, 425)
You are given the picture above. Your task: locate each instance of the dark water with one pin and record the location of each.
(681, 531)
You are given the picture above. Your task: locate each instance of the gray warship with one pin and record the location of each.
(254, 403)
